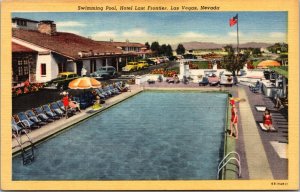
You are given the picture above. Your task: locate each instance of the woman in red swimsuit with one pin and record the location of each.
(65, 101)
(234, 121)
(268, 120)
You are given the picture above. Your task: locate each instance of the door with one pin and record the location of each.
(79, 67)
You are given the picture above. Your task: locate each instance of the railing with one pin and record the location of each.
(236, 159)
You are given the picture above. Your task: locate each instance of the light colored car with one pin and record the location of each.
(131, 66)
(155, 60)
(105, 72)
(226, 79)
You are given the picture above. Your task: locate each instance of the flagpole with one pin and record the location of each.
(237, 36)
(237, 31)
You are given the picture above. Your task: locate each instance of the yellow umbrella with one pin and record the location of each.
(84, 83)
(268, 63)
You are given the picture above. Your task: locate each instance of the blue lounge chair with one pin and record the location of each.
(54, 107)
(114, 89)
(49, 112)
(31, 115)
(17, 127)
(41, 115)
(100, 94)
(103, 92)
(24, 119)
(61, 105)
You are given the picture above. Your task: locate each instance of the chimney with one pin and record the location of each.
(47, 27)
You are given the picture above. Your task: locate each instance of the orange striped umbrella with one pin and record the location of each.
(268, 63)
(84, 83)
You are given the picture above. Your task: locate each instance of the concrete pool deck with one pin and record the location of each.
(256, 154)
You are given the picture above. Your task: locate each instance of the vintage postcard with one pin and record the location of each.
(160, 95)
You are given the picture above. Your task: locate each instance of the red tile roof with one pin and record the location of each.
(20, 48)
(67, 44)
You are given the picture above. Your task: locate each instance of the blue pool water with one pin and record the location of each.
(151, 136)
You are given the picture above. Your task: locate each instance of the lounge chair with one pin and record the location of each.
(61, 105)
(41, 115)
(17, 127)
(31, 115)
(113, 89)
(54, 107)
(255, 88)
(24, 119)
(262, 127)
(49, 112)
(83, 103)
(100, 94)
(103, 92)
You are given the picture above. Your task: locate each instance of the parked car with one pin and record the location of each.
(62, 81)
(131, 66)
(105, 72)
(226, 79)
(213, 80)
(204, 81)
(142, 65)
(155, 60)
(150, 62)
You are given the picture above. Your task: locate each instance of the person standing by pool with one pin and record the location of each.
(234, 121)
(65, 101)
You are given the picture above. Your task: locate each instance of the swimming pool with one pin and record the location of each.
(155, 135)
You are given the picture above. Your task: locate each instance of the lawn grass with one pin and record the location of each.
(283, 70)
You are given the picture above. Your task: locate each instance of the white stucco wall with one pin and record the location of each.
(30, 26)
(40, 60)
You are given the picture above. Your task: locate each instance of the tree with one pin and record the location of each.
(256, 52)
(147, 45)
(180, 49)
(155, 47)
(169, 51)
(232, 62)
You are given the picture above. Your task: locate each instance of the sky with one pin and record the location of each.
(170, 27)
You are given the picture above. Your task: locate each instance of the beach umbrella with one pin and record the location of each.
(268, 63)
(84, 83)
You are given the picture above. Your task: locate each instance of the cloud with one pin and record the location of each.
(72, 31)
(192, 35)
(70, 24)
(277, 35)
(135, 33)
(105, 35)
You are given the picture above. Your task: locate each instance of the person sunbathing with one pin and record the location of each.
(267, 121)
(74, 105)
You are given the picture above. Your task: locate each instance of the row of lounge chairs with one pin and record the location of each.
(45, 114)
(39, 116)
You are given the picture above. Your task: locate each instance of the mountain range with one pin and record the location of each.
(211, 45)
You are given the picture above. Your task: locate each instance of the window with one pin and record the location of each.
(43, 69)
(23, 67)
(21, 23)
